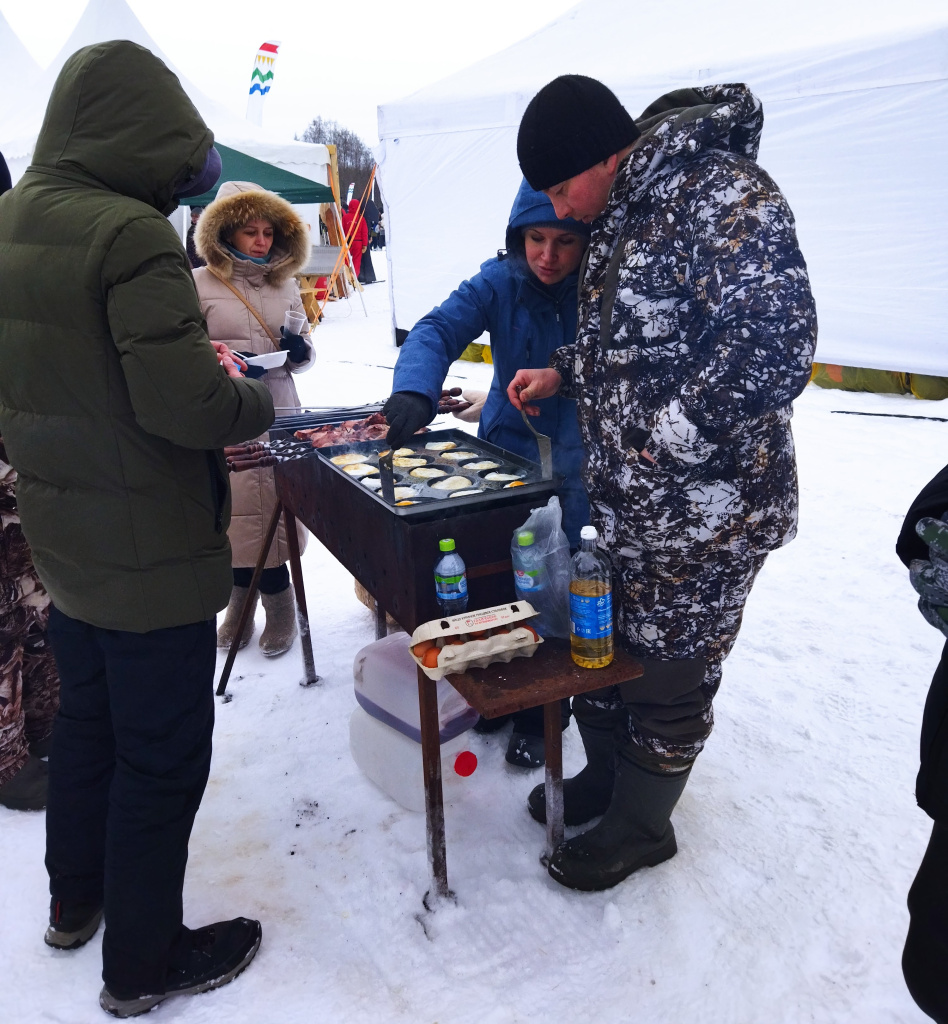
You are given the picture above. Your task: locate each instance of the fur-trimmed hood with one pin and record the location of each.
(238, 202)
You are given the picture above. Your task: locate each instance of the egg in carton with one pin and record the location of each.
(475, 639)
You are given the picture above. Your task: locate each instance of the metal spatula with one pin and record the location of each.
(387, 474)
(545, 446)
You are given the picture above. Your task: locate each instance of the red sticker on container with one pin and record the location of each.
(465, 763)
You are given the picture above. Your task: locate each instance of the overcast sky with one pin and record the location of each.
(333, 62)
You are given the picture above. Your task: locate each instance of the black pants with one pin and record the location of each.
(926, 947)
(129, 762)
(272, 581)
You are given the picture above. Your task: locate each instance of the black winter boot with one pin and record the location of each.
(71, 925)
(635, 832)
(211, 956)
(586, 795)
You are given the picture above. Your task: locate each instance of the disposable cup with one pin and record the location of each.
(293, 322)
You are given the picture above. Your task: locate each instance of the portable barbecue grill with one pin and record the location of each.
(391, 549)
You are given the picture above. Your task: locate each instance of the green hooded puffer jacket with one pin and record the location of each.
(113, 406)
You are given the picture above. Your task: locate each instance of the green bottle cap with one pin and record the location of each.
(525, 538)
(447, 544)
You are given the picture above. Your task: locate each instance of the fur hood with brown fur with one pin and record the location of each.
(238, 202)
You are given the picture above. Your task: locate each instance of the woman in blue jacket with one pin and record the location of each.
(525, 299)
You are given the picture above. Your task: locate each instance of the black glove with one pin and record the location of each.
(294, 344)
(407, 412)
(930, 578)
(252, 372)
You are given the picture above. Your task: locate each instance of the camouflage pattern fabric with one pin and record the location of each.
(29, 684)
(696, 331)
(674, 612)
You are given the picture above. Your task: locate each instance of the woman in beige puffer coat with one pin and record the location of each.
(253, 242)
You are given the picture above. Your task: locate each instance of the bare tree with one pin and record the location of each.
(353, 156)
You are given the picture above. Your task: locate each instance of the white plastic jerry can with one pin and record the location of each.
(386, 686)
(392, 760)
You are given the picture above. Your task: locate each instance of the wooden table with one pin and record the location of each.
(501, 689)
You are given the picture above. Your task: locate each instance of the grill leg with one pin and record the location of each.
(248, 601)
(553, 741)
(434, 798)
(302, 616)
(381, 626)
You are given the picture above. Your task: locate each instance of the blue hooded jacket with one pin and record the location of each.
(527, 321)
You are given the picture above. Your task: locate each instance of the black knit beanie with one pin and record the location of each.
(571, 124)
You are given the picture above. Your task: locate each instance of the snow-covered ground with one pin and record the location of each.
(798, 833)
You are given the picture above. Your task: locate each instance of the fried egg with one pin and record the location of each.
(427, 473)
(403, 463)
(347, 459)
(486, 464)
(451, 483)
(360, 469)
(498, 477)
(440, 446)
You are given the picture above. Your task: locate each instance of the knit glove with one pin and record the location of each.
(930, 578)
(407, 412)
(294, 345)
(251, 371)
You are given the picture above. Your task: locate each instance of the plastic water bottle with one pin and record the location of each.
(393, 761)
(590, 603)
(451, 580)
(528, 567)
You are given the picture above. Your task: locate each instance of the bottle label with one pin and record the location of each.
(528, 579)
(590, 618)
(451, 587)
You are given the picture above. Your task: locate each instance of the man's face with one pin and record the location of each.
(584, 196)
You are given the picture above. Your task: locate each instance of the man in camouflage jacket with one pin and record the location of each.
(696, 332)
(29, 684)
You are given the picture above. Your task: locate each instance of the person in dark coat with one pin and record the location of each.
(358, 237)
(926, 945)
(696, 332)
(525, 299)
(123, 498)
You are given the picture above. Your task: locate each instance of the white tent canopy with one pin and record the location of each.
(113, 19)
(853, 95)
(20, 71)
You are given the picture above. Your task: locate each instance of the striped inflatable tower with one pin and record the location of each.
(261, 78)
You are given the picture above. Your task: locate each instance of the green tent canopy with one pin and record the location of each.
(237, 166)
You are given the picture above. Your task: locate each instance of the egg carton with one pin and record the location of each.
(478, 653)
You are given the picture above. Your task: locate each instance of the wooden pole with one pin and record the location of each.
(434, 797)
(553, 741)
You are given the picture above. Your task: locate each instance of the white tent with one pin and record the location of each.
(113, 19)
(853, 91)
(20, 71)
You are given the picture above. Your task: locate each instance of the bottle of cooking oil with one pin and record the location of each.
(590, 603)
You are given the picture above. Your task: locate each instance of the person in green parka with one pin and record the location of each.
(114, 408)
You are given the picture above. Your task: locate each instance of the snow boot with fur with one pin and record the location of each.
(587, 794)
(280, 630)
(635, 832)
(228, 628)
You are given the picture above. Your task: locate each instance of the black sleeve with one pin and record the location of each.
(932, 501)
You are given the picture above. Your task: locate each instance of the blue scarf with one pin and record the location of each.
(261, 261)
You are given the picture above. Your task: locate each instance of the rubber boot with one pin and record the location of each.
(225, 635)
(26, 791)
(586, 795)
(280, 630)
(635, 832)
